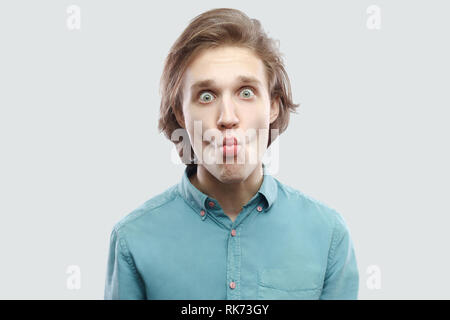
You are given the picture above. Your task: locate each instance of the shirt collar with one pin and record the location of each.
(198, 200)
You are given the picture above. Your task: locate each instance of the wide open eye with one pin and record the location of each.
(247, 90)
(207, 95)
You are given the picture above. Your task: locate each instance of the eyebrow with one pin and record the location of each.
(211, 83)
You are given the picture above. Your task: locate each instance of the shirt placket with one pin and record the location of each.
(234, 264)
(235, 253)
(233, 242)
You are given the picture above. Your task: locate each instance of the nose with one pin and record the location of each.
(228, 118)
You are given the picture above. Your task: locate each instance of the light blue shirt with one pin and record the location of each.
(181, 245)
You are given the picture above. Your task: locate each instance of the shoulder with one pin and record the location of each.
(149, 210)
(305, 205)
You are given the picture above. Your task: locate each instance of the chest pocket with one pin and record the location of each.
(289, 283)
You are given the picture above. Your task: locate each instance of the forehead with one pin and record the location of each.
(224, 64)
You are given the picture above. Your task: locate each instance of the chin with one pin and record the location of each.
(231, 178)
(234, 172)
(228, 173)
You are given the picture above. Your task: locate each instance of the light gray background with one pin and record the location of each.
(80, 147)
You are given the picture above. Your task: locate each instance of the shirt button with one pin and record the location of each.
(211, 204)
(202, 213)
(259, 208)
(233, 232)
(232, 285)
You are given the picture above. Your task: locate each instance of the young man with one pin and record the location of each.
(229, 230)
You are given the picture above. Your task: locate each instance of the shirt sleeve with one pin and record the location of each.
(342, 278)
(122, 279)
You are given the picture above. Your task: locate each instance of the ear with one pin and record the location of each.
(180, 118)
(274, 109)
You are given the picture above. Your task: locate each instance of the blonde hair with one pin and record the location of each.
(211, 29)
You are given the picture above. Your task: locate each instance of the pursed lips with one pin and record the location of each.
(229, 141)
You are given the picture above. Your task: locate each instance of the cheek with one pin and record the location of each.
(258, 121)
(194, 121)
(258, 117)
(197, 126)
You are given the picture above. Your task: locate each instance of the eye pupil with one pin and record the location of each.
(207, 97)
(247, 92)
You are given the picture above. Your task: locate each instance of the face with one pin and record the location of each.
(235, 103)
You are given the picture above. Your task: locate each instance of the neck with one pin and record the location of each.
(231, 196)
